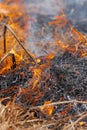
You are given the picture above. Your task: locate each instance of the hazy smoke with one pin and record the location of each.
(43, 11)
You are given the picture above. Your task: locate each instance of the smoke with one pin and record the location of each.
(42, 12)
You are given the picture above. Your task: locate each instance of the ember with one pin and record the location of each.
(49, 90)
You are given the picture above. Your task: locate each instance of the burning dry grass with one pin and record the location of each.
(14, 117)
(43, 117)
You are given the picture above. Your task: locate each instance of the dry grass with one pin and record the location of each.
(14, 117)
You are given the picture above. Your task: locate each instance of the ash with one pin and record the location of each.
(71, 78)
(12, 80)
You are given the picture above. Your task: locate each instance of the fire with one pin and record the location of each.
(47, 109)
(15, 16)
(13, 54)
(67, 37)
(19, 57)
(51, 56)
(16, 19)
(10, 60)
(36, 76)
(61, 20)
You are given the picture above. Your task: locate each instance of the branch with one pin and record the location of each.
(19, 42)
(59, 103)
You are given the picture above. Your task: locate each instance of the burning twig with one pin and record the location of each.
(20, 43)
(13, 59)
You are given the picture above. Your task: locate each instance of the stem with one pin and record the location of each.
(13, 59)
(20, 43)
(4, 38)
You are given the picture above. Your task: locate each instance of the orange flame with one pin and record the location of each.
(61, 20)
(47, 109)
(69, 38)
(15, 16)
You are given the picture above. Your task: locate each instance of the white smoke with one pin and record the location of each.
(50, 8)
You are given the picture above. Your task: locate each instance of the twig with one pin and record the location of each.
(2, 99)
(74, 123)
(20, 43)
(4, 35)
(13, 59)
(29, 121)
(72, 128)
(46, 126)
(4, 57)
(59, 103)
(80, 118)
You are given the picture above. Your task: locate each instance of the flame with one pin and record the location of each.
(61, 20)
(67, 37)
(15, 16)
(8, 62)
(47, 109)
(50, 56)
(17, 21)
(19, 57)
(36, 76)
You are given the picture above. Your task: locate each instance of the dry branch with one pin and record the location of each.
(82, 116)
(59, 103)
(19, 42)
(4, 34)
(13, 59)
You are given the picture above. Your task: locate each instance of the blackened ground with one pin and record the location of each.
(70, 73)
(12, 79)
(71, 78)
(65, 79)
